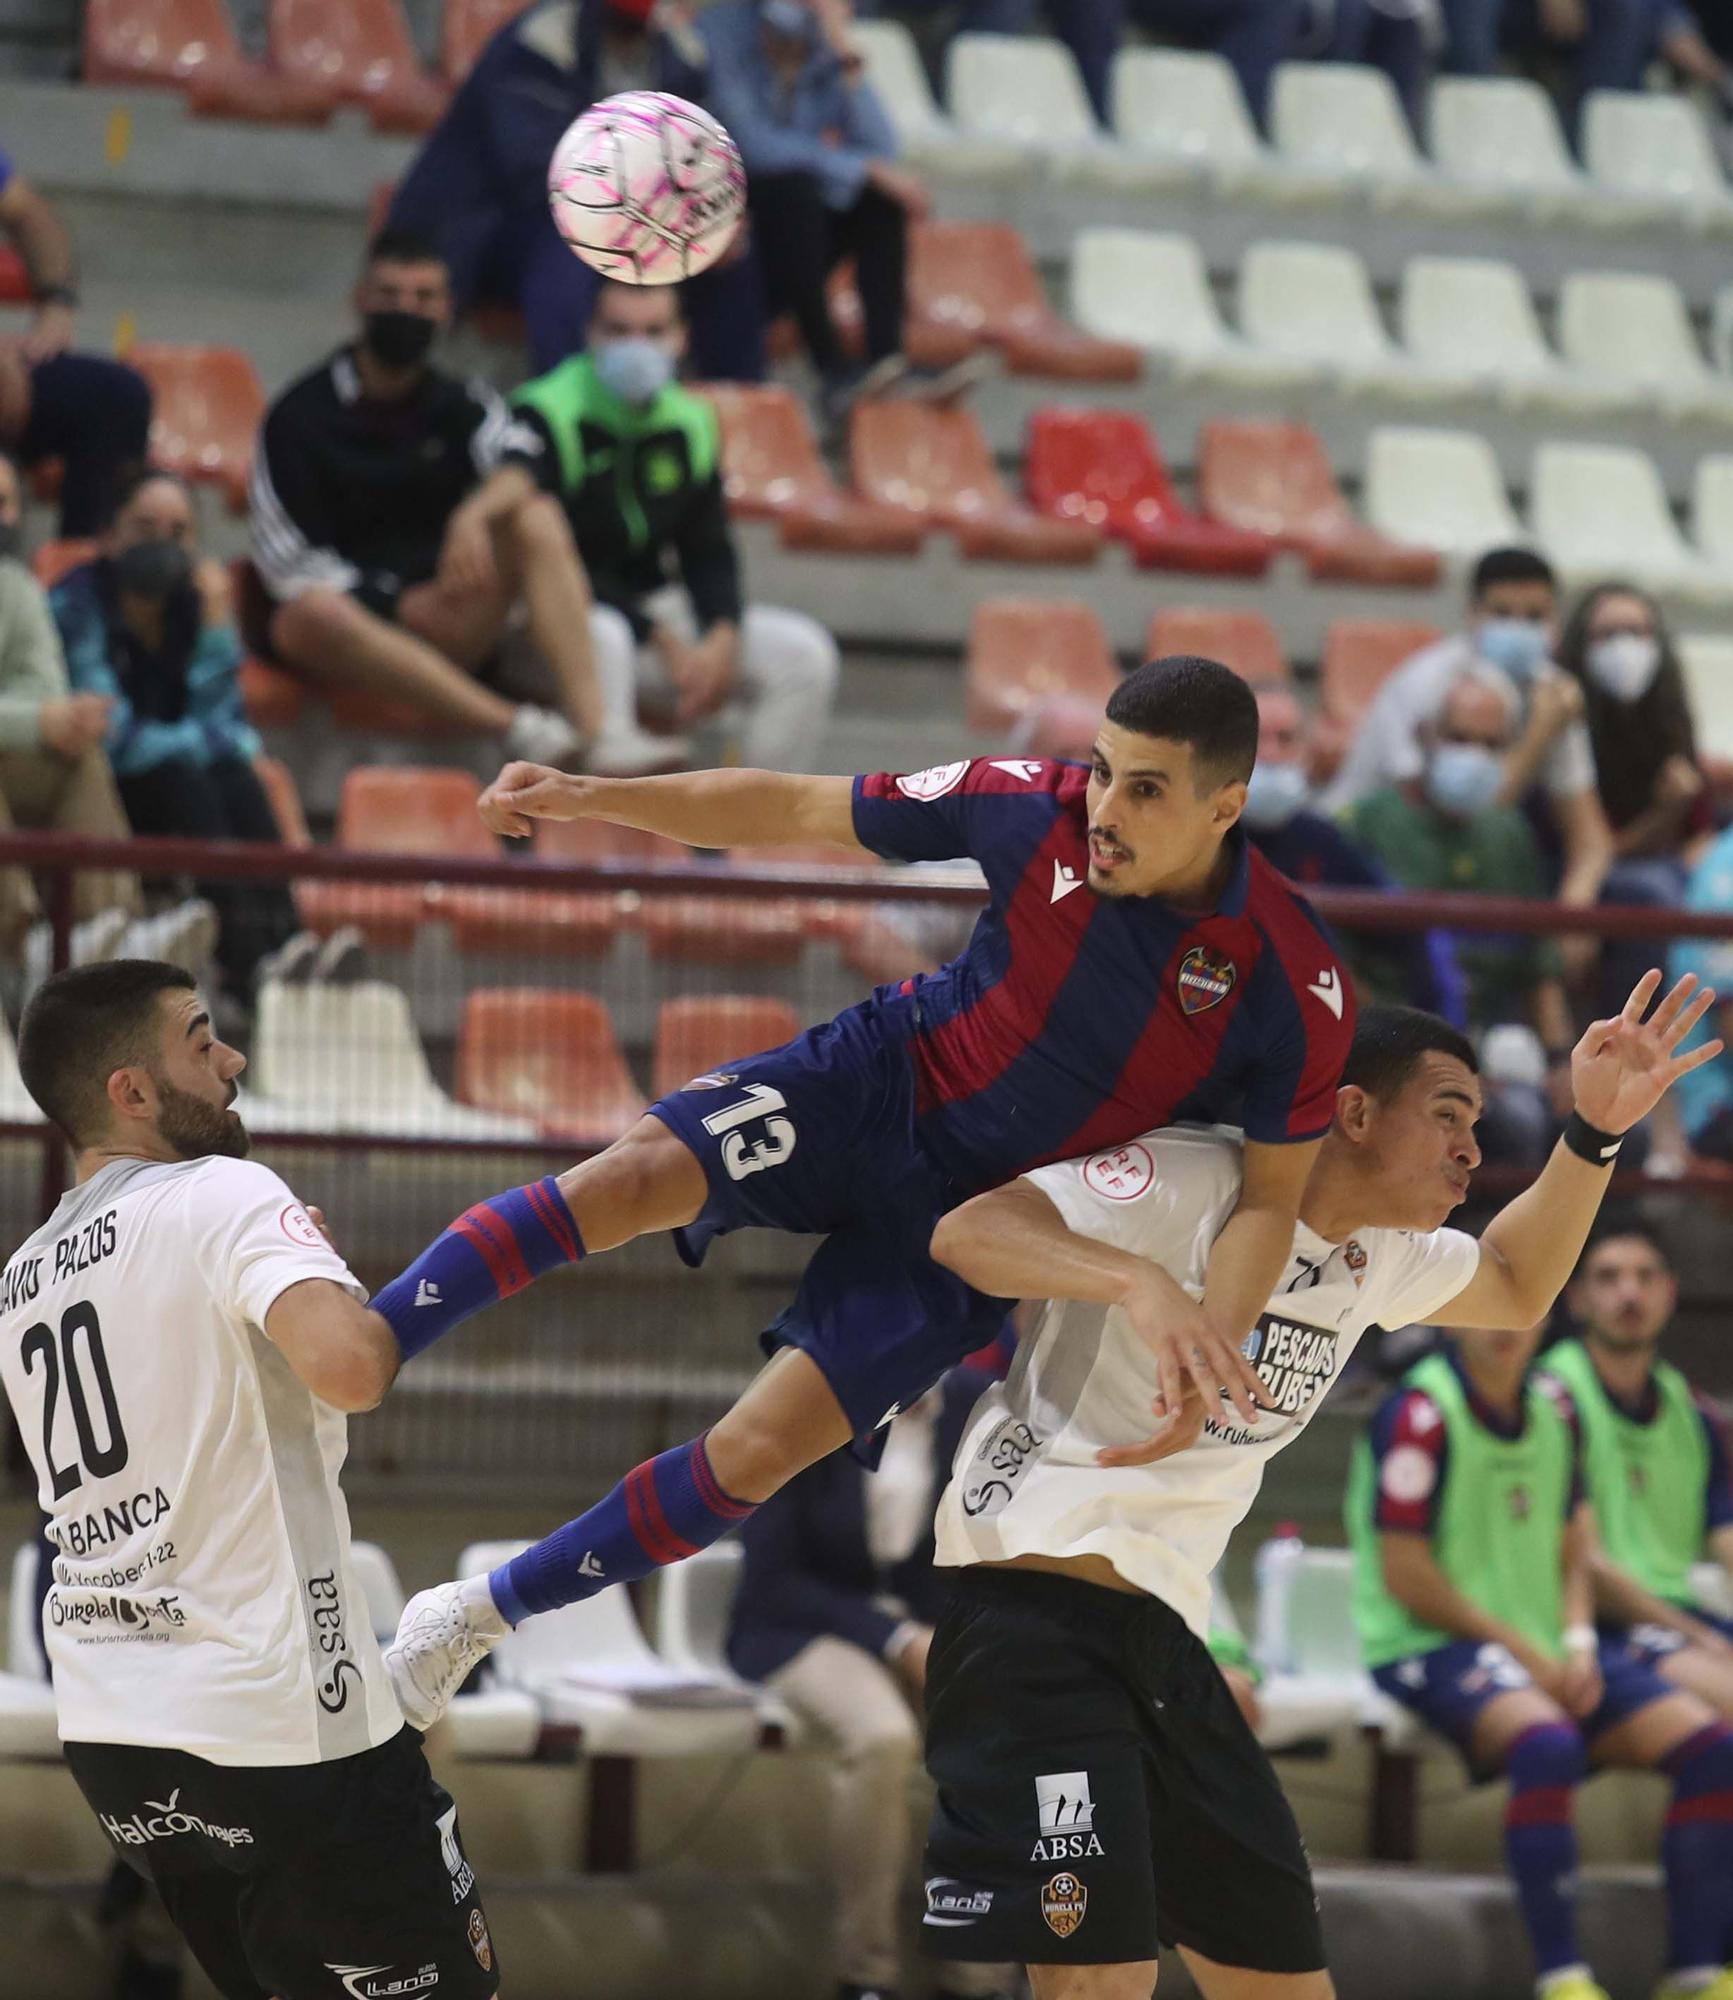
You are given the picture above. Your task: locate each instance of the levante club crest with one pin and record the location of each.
(1205, 979)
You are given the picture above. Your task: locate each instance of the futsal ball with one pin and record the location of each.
(647, 188)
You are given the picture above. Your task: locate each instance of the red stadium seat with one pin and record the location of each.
(1275, 479)
(191, 46)
(1103, 467)
(706, 1032)
(468, 27)
(772, 471)
(1243, 640)
(53, 560)
(273, 698)
(557, 922)
(552, 1057)
(397, 810)
(1025, 653)
(1358, 653)
(209, 404)
(935, 465)
(360, 50)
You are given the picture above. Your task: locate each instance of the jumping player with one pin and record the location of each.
(1137, 961)
(179, 1343)
(1099, 1791)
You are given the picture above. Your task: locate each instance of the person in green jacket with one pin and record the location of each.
(1655, 1459)
(1474, 1593)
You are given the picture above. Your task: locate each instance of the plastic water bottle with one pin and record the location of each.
(1273, 1568)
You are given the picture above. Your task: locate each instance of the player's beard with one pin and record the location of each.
(197, 1130)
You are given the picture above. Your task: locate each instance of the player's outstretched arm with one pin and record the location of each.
(342, 1351)
(1620, 1070)
(702, 808)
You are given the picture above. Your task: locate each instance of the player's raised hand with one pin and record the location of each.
(1622, 1068)
(523, 793)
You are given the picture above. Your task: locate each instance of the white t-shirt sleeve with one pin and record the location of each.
(1570, 763)
(1425, 1273)
(1104, 1196)
(1164, 1196)
(263, 1241)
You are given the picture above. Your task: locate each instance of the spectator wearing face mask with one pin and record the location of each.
(823, 183)
(393, 542)
(1314, 851)
(636, 461)
(478, 189)
(149, 632)
(1513, 606)
(1445, 829)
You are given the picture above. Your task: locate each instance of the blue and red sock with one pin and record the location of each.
(1697, 1851)
(1545, 1765)
(490, 1251)
(664, 1510)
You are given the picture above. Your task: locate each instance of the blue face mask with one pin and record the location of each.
(787, 17)
(1275, 794)
(1515, 646)
(637, 369)
(1463, 779)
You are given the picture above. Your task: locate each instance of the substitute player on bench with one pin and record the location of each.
(179, 1343)
(1098, 1790)
(1136, 962)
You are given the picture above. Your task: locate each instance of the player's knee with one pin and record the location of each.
(1551, 1754)
(889, 1739)
(304, 626)
(539, 526)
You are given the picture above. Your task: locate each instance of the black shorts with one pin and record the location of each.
(1099, 1792)
(338, 1881)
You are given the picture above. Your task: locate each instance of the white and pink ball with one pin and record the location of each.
(647, 188)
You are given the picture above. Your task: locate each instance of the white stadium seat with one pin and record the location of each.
(1713, 1588)
(590, 1668)
(1706, 659)
(17, 1107)
(1346, 119)
(1632, 331)
(1186, 107)
(694, 1600)
(1442, 489)
(1476, 314)
(1600, 510)
(1312, 302)
(1655, 146)
(1503, 133)
(28, 1730)
(927, 137)
(1025, 91)
(348, 1058)
(1712, 509)
(23, 1645)
(1153, 290)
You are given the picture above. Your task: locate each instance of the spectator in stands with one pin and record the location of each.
(835, 1612)
(1656, 1461)
(1615, 40)
(1474, 1594)
(824, 182)
(478, 189)
(1513, 606)
(636, 460)
(1314, 851)
(1706, 1097)
(391, 541)
(1396, 36)
(54, 778)
(1446, 830)
(90, 413)
(149, 630)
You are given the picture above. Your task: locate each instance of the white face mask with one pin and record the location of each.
(1624, 664)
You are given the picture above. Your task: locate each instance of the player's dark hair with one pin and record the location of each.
(1389, 1043)
(84, 1024)
(403, 246)
(1187, 699)
(1510, 565)
(672, 293)
(1615, 1225)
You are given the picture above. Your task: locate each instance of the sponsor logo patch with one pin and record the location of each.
(462, 1875)
(479, 1941)
(1354, 1256)
(715, 1079)
(385, 1982)
(951, 1905)
(1205, 979)
(934, 782)
(1062, 1802)
(1063, 1903)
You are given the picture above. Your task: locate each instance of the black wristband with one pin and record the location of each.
(1600, 1149)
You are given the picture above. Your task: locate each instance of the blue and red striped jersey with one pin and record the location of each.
(1072, 1022)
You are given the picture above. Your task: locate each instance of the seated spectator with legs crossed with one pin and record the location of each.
(390, 541)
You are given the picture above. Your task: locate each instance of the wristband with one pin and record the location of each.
(1600, 1149)
(1580, 1639)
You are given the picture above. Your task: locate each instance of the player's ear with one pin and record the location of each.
(130, 1091)
(1230, 802)
(1354, 1110)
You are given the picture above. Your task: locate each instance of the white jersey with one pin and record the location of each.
(1025, 1481)
(202, 1594)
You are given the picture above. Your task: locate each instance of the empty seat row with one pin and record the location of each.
(1495, 143)
(1307, 317)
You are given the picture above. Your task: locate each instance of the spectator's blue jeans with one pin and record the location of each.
(1363, 33)
(1655, 882)
(1254, 35)
(1622, 38)
(1090, 29)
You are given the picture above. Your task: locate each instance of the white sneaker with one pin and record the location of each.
(539, 736)
(92, 941)
(185, 936)
(342, 958)
(627, 751)
(443, 1633)
(292, 962)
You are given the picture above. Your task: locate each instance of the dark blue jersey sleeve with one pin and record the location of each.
(975, 808)
(1410, 1450)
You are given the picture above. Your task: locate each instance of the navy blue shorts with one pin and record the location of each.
(1448, 1687)
(818, 1137)
(1654, 1643)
